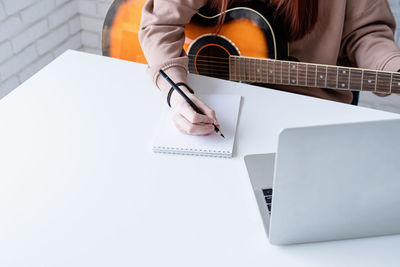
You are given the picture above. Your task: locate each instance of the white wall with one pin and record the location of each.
(34, 32)
(92, 13)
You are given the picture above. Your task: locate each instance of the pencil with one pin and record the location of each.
(190, 102)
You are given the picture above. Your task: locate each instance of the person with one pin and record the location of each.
(357, 33)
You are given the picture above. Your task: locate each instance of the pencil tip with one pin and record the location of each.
(222, 135)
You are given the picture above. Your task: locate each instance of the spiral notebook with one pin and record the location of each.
(168, 139)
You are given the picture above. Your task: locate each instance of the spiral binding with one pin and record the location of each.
(193, 152)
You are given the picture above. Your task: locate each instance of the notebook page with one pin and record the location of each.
(168, 139)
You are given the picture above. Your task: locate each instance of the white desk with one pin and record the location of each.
(79, 185)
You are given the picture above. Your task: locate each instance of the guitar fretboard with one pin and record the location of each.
(272, 71)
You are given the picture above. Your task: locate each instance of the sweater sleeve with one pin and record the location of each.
(162, 35)
(368, 40)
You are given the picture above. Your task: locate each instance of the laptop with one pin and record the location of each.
(330, 182)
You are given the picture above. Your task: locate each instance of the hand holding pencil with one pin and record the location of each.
(191, 115)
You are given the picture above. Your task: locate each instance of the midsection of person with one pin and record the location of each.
(352, 33)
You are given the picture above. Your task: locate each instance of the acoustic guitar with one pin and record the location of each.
(259, 56)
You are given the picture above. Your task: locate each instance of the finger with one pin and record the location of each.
(206, 109)
(191, 115)
(185, 126)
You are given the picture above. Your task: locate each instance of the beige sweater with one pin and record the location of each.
(358, 33)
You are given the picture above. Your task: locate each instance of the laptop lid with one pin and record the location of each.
(336, 182)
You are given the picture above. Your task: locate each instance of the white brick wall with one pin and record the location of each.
(92, 13)
(34, 32)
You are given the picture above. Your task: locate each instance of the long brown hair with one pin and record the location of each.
(297, 16)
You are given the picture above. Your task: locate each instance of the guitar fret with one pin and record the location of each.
(343, 78)
(278, 72)
(311, 75)
(391, 82)
(293, 72)
(348, 80)
(337, 77)
(256, 70)
(301, 74)
(232, 61)
(285, 72)
(238, 78)
(321, 79)
(248, 71)
(242, 70)
(266, 70)
(272, 71)
(356, 79)
(383, 82)
(237, 69)
(271, 74)
(230, 68)
(362, 80)
(245, 70)
(316, 76)
(326, 76)
(395, 88)
(306, 82)
(331, 77)
(297, 73)
(369, 80)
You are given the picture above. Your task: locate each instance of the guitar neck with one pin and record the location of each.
(271, 71)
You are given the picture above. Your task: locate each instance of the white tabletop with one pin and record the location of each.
(79, 185)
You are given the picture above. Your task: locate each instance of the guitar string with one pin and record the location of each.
(333, 81)
(265, 78)
(300, 64)
(301, 71)
(286, 81)
(212, 67)
(322, 69)
(207, 67)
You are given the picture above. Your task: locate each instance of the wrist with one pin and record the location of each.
(184, 88)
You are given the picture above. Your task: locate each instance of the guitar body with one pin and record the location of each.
(246, 48)
(203, 40)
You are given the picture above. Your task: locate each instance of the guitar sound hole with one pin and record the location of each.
(209, 56)
(213, 61)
